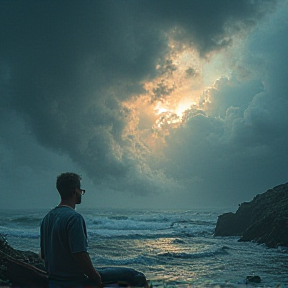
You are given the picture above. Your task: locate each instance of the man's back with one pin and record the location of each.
(63, 233)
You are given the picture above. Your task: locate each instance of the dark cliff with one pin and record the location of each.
(263, 220)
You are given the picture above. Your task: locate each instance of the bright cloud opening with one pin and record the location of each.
(181, 85)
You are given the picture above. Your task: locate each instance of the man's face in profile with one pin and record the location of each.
(79, 193)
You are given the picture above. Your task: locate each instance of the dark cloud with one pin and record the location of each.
(209, 25)
(66, 67)
(239, 149)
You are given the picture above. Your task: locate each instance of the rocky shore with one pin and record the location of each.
(263, 220)
(9, 258)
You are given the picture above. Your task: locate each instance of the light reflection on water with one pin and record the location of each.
(227, 262)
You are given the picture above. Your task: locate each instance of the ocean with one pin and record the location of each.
(172, 248)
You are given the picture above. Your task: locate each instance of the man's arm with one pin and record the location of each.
(85, 264)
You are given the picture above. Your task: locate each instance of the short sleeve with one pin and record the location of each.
(77, 234)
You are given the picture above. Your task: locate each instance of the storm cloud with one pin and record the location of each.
(67, 67)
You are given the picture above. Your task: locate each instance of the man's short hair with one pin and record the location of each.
(66, 183)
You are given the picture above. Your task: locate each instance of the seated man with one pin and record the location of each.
(64, 239)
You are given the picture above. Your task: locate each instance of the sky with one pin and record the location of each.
(157, 104)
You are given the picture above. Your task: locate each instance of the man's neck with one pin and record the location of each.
(67, 202)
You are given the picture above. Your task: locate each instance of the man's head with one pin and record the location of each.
(67, 184)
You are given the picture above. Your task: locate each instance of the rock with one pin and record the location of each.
(253, 279)
(124, 276)
(20, 268)
(263, 220)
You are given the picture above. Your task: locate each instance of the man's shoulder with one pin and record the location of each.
(70, 214)
(68, 211)
(62, 212)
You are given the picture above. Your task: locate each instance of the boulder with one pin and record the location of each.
(253, 279)
(263, 220)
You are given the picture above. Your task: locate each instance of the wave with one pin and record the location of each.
(191, 222)
(126, 225)
(27, 220)
(118, 217)
(148, 234)
(140, 259)
(149, 225)
(138, 229)
(178, 241)
(156, 259)
(19, 232)
(202, 254)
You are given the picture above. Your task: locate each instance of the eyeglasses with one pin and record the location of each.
(82, 191)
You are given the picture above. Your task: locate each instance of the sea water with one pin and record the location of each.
(172, 248)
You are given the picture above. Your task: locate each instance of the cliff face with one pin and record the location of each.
(263, 220)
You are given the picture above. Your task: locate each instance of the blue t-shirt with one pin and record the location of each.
(63, 232)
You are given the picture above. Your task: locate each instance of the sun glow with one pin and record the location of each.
(170, 115)
(179, 88)
(159, 110)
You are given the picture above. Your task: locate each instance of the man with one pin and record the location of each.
(64, 239)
